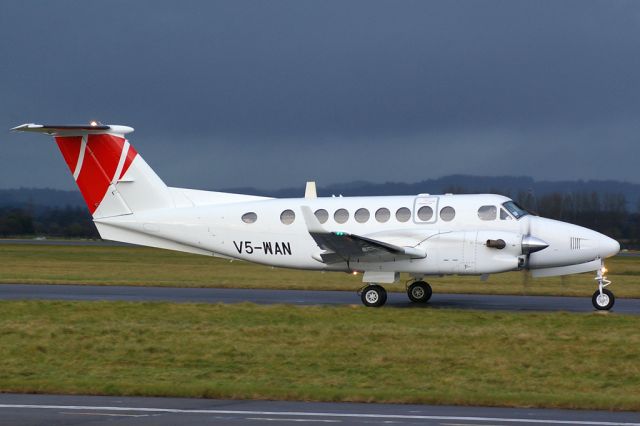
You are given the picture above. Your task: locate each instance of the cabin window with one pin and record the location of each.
(362, 215)
(341, 215)
(504, 215)
(487, 213)
(383, 215)
(287, 217)
(249, 217)
(403, 214)
(425, 213)
(322, 215)
(447, 213)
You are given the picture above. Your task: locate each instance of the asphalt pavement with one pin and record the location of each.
(53, 410)
(300, 297)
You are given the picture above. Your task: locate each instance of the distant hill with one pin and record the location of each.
(459, 184)
(508, 185)
(40, 198)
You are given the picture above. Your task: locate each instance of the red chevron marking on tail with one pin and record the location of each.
(131, 154)
(70, 149)
(95, 168)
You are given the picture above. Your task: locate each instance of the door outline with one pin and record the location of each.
(425, 200)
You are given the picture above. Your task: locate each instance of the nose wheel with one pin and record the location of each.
(603, 299)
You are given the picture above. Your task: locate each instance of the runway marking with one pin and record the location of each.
(106, 414)
(271, 419)
(316, 414)
(465, 424)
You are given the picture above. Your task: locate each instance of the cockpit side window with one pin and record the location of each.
(487, 213)
(514, 209)
(504, 215)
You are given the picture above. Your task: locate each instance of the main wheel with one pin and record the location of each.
(604, 301)
(419, 292)
(373, 296)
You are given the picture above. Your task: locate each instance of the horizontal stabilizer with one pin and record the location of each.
(72, 129)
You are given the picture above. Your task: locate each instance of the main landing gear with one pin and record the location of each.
(419, 292)
(374, 295)
(602, 299)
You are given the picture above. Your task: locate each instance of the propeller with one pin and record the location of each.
(530, 244)
(525, 281)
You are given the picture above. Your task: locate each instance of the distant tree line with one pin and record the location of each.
(50, 222)
(606, 213)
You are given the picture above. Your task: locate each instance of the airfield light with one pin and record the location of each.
(354, 273)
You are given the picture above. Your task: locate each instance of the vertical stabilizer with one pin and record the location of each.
(113, 178)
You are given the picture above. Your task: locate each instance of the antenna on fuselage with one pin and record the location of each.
(310, 190)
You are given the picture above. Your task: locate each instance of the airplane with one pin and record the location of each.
(379, 237)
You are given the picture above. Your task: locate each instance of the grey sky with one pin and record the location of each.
(272, 93)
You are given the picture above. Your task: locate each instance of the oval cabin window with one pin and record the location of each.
(403, 214)
(322, 215)
(287, 217)
(341, 215)
(362, 215)
(249, 217)
(383, 215)
(425, 213)
(447, 213)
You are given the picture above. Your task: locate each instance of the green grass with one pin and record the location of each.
(145, 266)
(321, 354)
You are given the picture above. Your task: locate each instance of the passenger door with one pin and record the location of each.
(425, 209)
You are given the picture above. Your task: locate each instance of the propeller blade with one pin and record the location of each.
(525, 281)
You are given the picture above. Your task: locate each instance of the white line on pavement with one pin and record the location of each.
(317, 414)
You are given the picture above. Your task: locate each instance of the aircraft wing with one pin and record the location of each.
(344, 247)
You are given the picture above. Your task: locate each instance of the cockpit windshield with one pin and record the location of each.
(515, 210)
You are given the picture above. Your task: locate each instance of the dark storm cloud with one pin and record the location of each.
(269, 93)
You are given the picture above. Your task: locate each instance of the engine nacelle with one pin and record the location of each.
(474, 252)
(497, 251)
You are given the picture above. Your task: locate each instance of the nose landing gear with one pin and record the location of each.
(602, 299)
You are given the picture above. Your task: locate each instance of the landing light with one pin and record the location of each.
(604, 270)
(93, 123)
(354, 273)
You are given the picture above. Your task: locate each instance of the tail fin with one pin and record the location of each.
(112, 177)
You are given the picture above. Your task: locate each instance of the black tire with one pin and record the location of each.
(419, 292)
(605, 302)
(373, 296)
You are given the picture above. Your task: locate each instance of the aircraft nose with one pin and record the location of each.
(607, 247)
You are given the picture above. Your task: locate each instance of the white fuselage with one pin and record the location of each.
(453, 245)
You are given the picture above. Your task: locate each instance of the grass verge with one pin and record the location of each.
(43, 264)
(321, 354)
